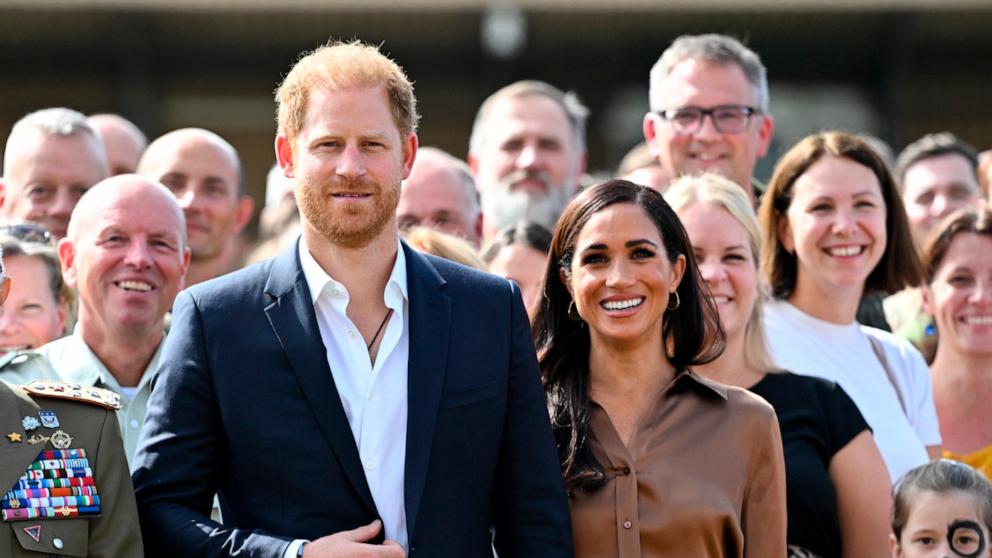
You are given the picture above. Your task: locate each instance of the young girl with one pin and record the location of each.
(942, 509)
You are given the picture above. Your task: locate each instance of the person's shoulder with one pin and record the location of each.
(745, 403)
(895, 346)
(799, 382)
(21, 367)
(63, 393)
(248, 281)
(241, 276)
(463, 276)
(74, 408)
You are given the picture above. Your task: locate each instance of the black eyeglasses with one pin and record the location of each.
(727, 119)
(27, 232)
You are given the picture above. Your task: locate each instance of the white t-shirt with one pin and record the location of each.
(843, 354)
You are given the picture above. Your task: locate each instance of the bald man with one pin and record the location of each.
(123, 141)
(52, 157)
(440, 194)
(203, 171)
(126, 255)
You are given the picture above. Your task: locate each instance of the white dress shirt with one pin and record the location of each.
(374, 397)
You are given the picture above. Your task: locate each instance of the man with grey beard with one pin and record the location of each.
(527, 151)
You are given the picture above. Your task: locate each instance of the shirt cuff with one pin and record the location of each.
(294, 548)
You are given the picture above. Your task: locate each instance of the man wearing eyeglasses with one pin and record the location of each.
(52, 157)
(709, 109)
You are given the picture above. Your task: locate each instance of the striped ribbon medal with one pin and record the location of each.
(59, 484)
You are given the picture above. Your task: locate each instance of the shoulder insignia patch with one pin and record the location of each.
(75, 392)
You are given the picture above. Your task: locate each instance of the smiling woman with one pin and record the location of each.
(835, 506)
(39, 301)
(958, 294)
(834, 229)
(658, 461)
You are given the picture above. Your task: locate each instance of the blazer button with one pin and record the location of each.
(57, 543)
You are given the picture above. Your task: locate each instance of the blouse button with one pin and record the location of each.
(627, 524)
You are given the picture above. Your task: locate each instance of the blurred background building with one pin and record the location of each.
(893, 68)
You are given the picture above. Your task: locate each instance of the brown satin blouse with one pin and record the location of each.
(703, 476)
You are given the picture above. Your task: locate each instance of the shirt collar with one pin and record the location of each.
(689, 379)
(317, 279)
(78, 364)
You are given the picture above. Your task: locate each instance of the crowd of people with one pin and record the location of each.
(430, 356)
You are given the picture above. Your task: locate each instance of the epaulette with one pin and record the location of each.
(75, 392)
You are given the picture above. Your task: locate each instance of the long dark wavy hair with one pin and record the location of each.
(692, 333)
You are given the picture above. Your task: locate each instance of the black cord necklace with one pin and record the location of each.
(378, 331)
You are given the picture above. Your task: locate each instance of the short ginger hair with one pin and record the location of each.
(340, 65)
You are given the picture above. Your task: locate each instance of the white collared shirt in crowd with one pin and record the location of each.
(374, 396)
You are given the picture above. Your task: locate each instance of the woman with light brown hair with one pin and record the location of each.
(835, 228)
(957, 293)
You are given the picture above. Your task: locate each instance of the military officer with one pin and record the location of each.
(65, 489)
(62, 467)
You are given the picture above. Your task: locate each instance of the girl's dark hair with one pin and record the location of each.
(940, 476)
(692, 333)
(531, 235)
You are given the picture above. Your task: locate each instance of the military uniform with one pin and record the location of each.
(64, 483)
(23, 367)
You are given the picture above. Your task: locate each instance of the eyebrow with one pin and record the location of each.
(628, 244)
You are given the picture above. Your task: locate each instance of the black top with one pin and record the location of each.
(817, 419)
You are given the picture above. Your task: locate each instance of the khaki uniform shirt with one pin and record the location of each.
(22, 367)
(703, 476)
(75, 363)
(112, 534)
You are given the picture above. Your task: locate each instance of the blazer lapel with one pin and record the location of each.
(294, 323)
(430, 322)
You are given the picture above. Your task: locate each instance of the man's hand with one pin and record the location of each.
(351, 544)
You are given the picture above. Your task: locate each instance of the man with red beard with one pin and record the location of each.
(203, 171)
(527, 151)
(350, 396)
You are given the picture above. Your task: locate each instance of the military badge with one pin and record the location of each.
(34, 532)
(49, 419)
(61, 440)
(30, 423)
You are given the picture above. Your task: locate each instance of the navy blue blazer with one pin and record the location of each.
(245, 406)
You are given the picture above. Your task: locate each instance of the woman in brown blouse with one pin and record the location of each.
(657, 460)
